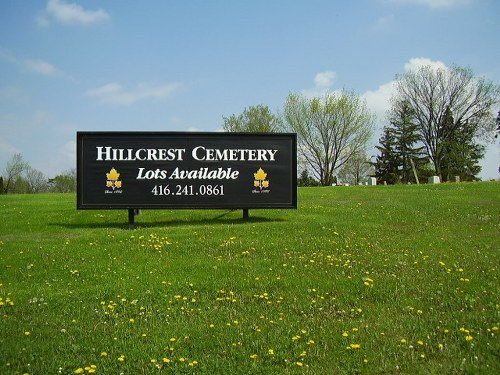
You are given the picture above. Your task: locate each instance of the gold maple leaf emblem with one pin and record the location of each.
(260, 175)
(113, 175)
(260, 179)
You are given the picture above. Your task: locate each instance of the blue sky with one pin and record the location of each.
(160, 65)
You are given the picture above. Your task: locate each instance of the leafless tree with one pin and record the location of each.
(37, 181)
(432, 91)
(13, 171)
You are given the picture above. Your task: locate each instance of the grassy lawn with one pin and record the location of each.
(375, 280)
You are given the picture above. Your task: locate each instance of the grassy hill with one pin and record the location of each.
(385, 279)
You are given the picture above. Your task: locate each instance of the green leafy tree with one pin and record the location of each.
(330, 130)
(254, 119)
(65, 182)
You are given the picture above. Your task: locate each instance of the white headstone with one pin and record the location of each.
(372, 181)
(434, 180)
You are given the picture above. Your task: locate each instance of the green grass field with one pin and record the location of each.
(372, 280)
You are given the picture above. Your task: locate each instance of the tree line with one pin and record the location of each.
(20, 178)
(438, 122)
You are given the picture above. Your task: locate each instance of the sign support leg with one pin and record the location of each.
(245, 214)
(131, 218)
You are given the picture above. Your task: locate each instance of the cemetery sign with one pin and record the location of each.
(134, 170)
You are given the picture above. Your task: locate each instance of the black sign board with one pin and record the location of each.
(134, 170)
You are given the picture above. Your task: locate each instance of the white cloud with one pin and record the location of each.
(434, 4)
(325, 79)
(37, 66)
(417, 62)
(114, 93)
(379, 100)
(323, 83)
(70, 13)
(41, 67)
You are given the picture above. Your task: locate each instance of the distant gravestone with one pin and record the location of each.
(434, 180)
(457, 178)
(372, 181)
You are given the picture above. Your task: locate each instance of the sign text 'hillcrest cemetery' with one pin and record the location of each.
(186, 170)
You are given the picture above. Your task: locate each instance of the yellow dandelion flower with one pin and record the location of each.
(166, 360)
(104, 354)
(403, 341)
(253, 356)
(469, 338)
(345, 334)
(79, 370)
(298, 363)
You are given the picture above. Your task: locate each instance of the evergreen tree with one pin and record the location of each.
(386, 164)
(305, 179)
(411, 155)
(401, 152)
(460, 153)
